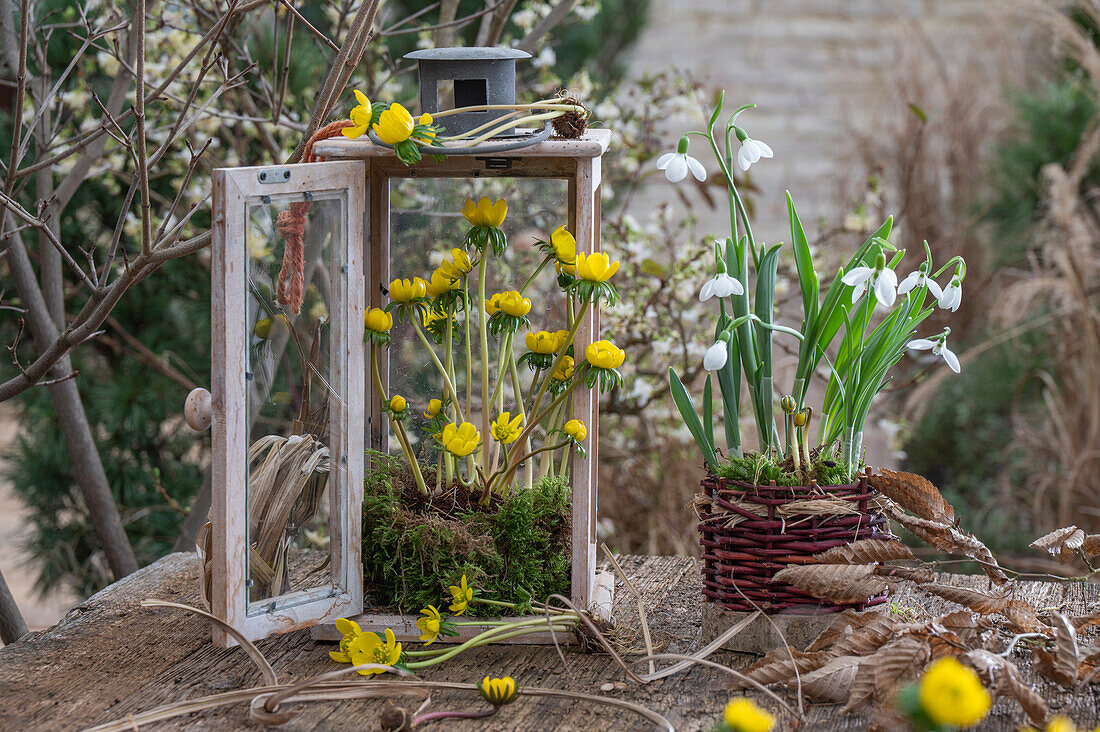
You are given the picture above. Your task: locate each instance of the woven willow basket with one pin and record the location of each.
(750, 532)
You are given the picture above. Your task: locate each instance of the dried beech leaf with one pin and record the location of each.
(920, 575)
(978, 601)
(865, 551)
(1082, 622)
(1062, 543)
(913, 493)
(1067, 657)
(963, 624)
(1091, 544)
(1089, 670)
(947, 538)
(1003, 678)
(1023, 618)
(843, 625)
(776, 666)
(833, 681)
(886, 717)
(836, 582)
(872, 636)
(881, 674)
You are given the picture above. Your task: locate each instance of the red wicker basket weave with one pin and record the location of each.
(750, 532)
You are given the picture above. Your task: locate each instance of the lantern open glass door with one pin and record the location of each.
(287, 397)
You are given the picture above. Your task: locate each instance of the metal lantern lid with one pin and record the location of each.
(480, 75)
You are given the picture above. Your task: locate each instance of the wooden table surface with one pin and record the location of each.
(109, 657)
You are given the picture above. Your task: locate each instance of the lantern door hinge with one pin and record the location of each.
(497, 163)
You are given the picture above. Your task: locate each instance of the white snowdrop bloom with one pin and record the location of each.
(951, 297)
(938, 346)
(716, 355)
(676, 166)
(751, 151)
(915, 280)
(722, 285)
(883, 281)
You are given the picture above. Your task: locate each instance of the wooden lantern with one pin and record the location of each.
(291, 409)
(578, 163)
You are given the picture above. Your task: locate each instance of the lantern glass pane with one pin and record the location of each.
(297, 395)
(426, 223)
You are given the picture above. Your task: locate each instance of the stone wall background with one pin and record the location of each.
(827, 73)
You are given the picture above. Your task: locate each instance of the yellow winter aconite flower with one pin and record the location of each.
(564, 247)
(429, 624)
(485, 212)
(565, 369)
(378, 320)
(604, 355)
(426, 135)
(351, 631)
(262, 329)
(369, 648)
(405, 291)
(951, 693)
(514, 304)
(460, 439)
(457, 267)
(497, 692)
(561, 337)
(576, 429)
(440, 283)
(742, 715)
(492, 305)
(434, 406)
(542, 342)
(461, 595)
(596, 267)
(394, 125)
(398, 403)
(505, 429)
(360, 117)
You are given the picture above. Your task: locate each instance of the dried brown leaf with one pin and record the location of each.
(920, 575)
(978, 601)
(1023, 618)
(1091, 544)
(1081, 622)
(842, 625)
(872, 636)
(963, 624)
(833, 681)
(1003, 678)
(881, 674)
(836, 582)
(865, 551)
(947, 538)
(1062, 543)
(913, 493)
(1067, 656)
(776, 666)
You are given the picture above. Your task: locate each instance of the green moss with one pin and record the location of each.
(413, 550)
(760, 469)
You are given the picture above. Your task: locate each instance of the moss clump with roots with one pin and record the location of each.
(759, 469)
(414, 548)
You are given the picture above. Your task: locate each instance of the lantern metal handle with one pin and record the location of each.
(483, 149)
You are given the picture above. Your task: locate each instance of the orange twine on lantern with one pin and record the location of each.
(292, 225)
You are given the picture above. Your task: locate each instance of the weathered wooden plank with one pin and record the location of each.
(109, 658)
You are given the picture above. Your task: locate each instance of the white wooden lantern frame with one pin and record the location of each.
(357, 166)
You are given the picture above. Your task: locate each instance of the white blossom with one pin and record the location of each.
(721, 285)
(751, 151)
(938, 346)
(676, 166)
(883, 281)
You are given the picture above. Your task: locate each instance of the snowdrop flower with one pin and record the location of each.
(716, 355)
(918, 278)
(951, 297)
(722, 285)
(751, 150)
(880, 278)
(938, 346)
(676, 165)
